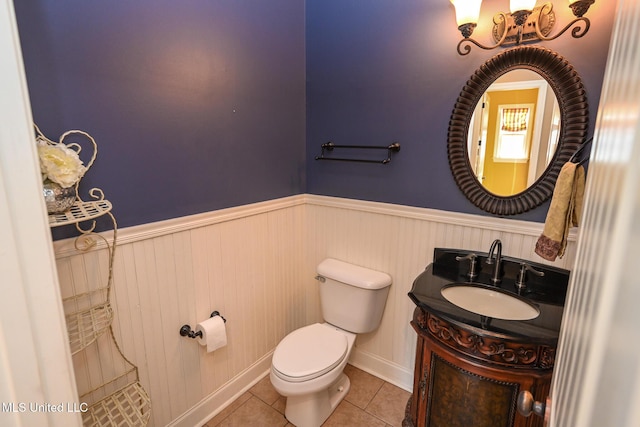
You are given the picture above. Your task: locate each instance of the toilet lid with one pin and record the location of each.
(309, 352)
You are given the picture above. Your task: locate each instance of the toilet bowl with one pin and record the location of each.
(307, 368)
(308, 364)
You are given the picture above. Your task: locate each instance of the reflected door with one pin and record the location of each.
(508, 147)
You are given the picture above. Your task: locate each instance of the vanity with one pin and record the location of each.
(473, 363)
(487, 326)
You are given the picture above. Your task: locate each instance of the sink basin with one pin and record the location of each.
(488, 301)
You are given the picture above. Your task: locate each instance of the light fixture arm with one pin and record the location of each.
(576, 33)
(464, 45)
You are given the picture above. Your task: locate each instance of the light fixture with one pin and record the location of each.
(467, 13)
(525, 22)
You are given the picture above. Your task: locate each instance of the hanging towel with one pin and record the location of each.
(564, 212)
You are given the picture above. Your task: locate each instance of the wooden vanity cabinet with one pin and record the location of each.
(465, 379)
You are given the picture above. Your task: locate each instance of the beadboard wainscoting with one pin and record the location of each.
(245, 262)
(256, 265)
(400, 241)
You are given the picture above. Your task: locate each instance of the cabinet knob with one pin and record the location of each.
(528, 405)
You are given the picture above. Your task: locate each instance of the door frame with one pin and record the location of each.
(596, 380)
(35, 360)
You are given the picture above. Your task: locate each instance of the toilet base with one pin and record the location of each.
(311, 410)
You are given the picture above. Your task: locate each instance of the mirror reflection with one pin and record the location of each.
(513, 132)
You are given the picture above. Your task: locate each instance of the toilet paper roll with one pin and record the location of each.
(214, 333)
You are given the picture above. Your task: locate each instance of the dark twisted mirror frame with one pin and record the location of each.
(574, 115)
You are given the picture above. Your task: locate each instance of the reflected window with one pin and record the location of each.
(512, 141)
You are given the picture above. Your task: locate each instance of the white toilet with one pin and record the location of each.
(307, 364)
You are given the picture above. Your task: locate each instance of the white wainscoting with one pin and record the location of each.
(400, 241)
(244, 262)
(256, 265)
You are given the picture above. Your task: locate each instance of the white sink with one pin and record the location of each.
(490, 302)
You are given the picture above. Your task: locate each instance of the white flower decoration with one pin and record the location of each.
(60, 164)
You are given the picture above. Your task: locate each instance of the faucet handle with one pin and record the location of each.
(524, 267)
(473, 263)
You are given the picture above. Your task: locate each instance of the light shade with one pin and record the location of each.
(517, 5)
(467, 11)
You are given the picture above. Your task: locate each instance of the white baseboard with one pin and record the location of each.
(213, 404)
(383, 369)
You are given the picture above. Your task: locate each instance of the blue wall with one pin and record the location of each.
(202, 105)
(381, 71)
(195, 105)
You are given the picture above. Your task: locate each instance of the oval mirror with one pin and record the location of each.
(506, 156)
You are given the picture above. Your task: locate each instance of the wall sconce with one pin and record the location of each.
(525, 22)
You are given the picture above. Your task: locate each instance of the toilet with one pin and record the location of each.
(307, 365)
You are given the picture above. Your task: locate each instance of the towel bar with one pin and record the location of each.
(329, 146)
(574, 157)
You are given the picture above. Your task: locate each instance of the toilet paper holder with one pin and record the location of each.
(186, 331)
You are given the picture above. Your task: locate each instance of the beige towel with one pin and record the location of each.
(564, 212)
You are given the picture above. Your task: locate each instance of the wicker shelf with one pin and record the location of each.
(129, 406)
(84, 327)
(79, 212)
(120, 401)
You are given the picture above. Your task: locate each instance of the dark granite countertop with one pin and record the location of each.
(546, 293)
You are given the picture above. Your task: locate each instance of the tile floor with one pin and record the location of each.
(371, 402)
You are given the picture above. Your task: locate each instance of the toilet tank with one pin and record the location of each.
(352, 297)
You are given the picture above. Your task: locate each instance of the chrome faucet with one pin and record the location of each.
(495, 258)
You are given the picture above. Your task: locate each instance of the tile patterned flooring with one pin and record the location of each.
(371, 402)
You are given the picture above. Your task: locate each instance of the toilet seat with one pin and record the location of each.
(309, 352)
